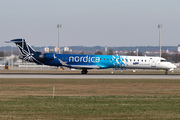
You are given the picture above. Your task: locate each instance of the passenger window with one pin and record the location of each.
(104, 58)
(107, 59)
(145, 60)
(115, 59)
(62, 57)
(134, 60)
(122, 59)
(126, 60)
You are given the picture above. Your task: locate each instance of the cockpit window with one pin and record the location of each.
(164, 61)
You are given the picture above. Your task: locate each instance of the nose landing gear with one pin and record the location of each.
(166, 72)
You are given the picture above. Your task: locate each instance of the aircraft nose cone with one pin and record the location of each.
(175, 66)
(171, 66)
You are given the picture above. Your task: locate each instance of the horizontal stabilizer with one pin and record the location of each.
(16, 41)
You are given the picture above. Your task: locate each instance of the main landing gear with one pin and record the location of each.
(84, 71)
(166, 72)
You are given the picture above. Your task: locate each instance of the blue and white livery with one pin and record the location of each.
(86, 62)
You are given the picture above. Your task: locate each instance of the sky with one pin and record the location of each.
(90, 22)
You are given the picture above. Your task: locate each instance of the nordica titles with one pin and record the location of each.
(84, 59)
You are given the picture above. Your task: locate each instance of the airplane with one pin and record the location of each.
(86, 61)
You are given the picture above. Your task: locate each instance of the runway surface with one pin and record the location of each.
(88, 76)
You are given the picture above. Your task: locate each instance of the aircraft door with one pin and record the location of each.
(153, 63)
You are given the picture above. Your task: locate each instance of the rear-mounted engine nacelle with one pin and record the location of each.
(48, 56)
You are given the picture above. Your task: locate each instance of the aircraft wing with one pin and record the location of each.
(80, 66)
(85, 66)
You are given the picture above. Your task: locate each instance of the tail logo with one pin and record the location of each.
(26, 50)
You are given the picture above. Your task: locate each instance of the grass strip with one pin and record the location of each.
(91, 107)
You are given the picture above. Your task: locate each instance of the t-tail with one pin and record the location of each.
(26, 51)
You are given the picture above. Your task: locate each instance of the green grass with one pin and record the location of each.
(90, 99)
(91, 107)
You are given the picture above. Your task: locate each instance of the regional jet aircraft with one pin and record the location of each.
(86, 62)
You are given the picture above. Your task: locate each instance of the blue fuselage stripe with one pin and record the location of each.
(105, 61)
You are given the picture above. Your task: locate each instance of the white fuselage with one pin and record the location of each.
(138, 62)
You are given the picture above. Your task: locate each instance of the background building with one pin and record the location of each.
(46, 49)
(66, 49)
(56, 49)
(105, 48)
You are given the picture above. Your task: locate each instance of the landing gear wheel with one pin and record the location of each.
(166, 72)
(84, 71)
